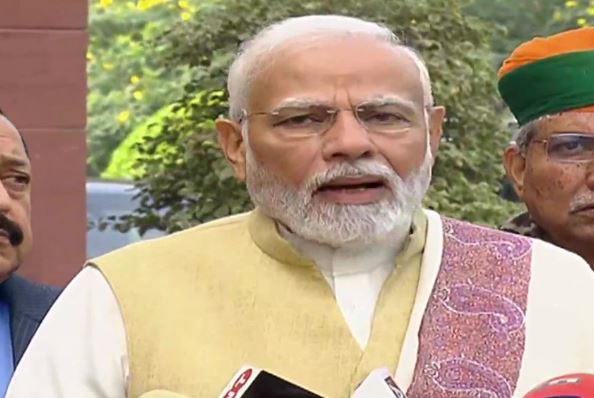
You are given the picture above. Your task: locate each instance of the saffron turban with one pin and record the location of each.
(550, 75)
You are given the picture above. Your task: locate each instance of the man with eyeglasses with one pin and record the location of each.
(548, 84)
(338, 271)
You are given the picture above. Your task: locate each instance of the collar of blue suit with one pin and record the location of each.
(6, 356)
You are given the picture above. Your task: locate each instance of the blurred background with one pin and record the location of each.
(118, 100)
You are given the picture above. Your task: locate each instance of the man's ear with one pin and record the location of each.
(515, 168)
(436, 120)
(231, 141)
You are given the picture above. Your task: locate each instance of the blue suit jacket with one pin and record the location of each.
(28, 303)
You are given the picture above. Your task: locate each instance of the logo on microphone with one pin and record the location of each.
(559, 381)
(394, 388)
(568, 380)
(239, 383)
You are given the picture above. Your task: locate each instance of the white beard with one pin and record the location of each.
(387, 221)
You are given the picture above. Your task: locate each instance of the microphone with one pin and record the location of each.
(251, 382)
(576, 385)
(379, 384)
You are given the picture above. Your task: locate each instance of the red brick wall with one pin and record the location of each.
(43, 91)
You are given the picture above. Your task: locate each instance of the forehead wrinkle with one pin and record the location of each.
(298, 102)
(569, 117)
(14, 160)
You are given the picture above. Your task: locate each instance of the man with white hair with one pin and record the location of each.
(338, 271)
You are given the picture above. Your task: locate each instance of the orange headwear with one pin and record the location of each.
(542, 51)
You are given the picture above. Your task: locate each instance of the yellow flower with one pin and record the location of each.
(582, 22)
(186, 16)
(105, 3)
(123, 117)
(90, 56)
(183, 4)
(590, 10)
(143, 5)
(134, 79)
(138, 95)
(571, 4)
(107, 66)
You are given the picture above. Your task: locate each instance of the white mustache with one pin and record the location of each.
(359, 168)
(580, 201)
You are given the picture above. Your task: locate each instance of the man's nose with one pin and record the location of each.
(347, 139)
(590, 175)
(5, 199)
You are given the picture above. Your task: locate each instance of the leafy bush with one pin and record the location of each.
(127, 82)
(522, 20)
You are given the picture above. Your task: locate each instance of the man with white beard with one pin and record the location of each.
(338, 271)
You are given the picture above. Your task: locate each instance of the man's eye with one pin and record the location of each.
(568, 146)
(384, 117)
(381, 116)
(22, 179)
(303, 120)
(17, 181)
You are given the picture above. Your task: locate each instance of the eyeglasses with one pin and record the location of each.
(569, 147)
(311, 120)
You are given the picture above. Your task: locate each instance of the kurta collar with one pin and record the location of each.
(265, 234)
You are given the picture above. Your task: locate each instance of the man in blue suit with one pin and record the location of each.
(23, 304)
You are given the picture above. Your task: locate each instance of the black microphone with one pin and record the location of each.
(251, 382)
(379, 384)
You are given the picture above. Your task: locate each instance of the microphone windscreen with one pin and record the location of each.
(576, 385)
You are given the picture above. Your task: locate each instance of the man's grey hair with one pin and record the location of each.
(525, 135)
(256, 53)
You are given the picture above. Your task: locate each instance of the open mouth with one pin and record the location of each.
(354, 185)
(584, 208)
(353, 190)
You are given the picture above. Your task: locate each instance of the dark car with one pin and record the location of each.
(105, 199)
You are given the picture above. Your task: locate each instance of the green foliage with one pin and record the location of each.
(127, 82)
(185, 180)
(522, 20)
(122, 165)
(574, 13)
(184, 175)
(518, 20)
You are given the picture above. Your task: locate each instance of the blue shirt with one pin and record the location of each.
(6, 359)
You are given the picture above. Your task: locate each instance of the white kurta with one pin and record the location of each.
(80, 349)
